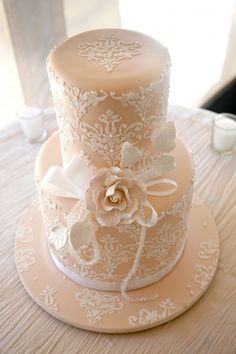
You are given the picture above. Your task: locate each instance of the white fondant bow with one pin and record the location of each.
(73, 181)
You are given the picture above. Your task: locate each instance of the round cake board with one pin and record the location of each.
(108, 312)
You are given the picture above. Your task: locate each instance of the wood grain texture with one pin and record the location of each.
(208, 327)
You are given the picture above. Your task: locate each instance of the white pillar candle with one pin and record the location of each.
(31, 121)
(224, 132)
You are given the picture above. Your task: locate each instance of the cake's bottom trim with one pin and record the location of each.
(108, 286)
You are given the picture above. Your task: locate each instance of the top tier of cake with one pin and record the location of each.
(109, 86)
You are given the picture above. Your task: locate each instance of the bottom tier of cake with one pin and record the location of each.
(116, 247)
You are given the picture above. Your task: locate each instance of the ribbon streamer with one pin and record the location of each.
(162, 181)
(133, 271)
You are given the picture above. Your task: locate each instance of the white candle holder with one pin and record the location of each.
(224, 132)
(31, 121)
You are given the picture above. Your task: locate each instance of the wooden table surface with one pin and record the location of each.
(208, 327)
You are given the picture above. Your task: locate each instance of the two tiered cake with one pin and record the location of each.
(114, 242)
(110, 89)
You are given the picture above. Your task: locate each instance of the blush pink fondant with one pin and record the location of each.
(110, 87)
(88, 97)
(97, 276)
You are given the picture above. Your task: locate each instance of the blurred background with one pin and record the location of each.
(200, 35)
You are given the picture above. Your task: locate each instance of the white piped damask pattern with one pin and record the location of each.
(25, 258)
(209, 251)
(141, 101)
(109, 51)
(52, 213)
(49, 298)
(159, 250)
(78, 102)
(24, 234)
(98, 304)
(203, 275)
(107, 137)
(112, 255)
(73, 104)
(145, 317)
(146, 161)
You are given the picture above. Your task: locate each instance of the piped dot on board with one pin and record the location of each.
(205, 224)
(35, 278)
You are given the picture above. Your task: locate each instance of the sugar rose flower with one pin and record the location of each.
(115, 196)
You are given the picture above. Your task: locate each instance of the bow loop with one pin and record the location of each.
(71, 182)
